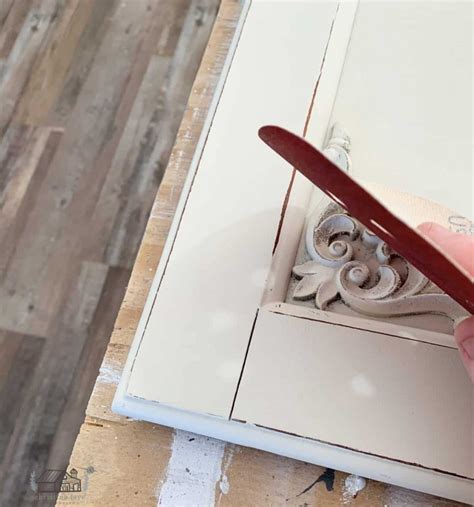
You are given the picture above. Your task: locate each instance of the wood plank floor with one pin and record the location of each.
(91, 96)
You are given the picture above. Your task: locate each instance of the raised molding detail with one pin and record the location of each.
(338, 147)
(348, 262)
(345, 261)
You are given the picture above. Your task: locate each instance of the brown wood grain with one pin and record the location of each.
(91, 94)
(20, 357)
(12, 14)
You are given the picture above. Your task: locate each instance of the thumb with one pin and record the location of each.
(461, 248)
(458, 246)
(464, 335)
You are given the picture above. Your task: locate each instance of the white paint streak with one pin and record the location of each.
(224, 484)
(352, 485)
(193, 471)
(109, 373)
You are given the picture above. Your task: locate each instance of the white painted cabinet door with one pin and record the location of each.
(192, 344)
(223, 347)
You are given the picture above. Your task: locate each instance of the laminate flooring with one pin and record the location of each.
(91, 96)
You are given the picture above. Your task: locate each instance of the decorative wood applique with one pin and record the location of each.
(338, 147)
(348, 262)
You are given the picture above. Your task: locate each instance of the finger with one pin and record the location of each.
(464, 335)
(458, 246)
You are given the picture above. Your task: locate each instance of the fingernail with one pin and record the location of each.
(430, 228)
(468, 346)
(426, 226)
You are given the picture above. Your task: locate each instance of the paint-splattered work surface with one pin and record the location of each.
(127, 462)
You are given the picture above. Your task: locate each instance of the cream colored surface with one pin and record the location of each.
(370, 392)
(316, 131)
(381, 394)
(405, 98)
(195, 340)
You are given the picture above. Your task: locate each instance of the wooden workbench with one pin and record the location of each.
(126, 462)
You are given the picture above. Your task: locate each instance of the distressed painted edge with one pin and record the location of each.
(122, 388)
(304, 449)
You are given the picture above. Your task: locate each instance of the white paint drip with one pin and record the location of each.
(352, 485)
(193, 471)
(109, 372)
(224, 484)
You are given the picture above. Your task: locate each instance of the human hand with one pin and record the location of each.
(461, 248)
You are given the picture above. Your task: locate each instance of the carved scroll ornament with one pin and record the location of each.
(348, 262)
